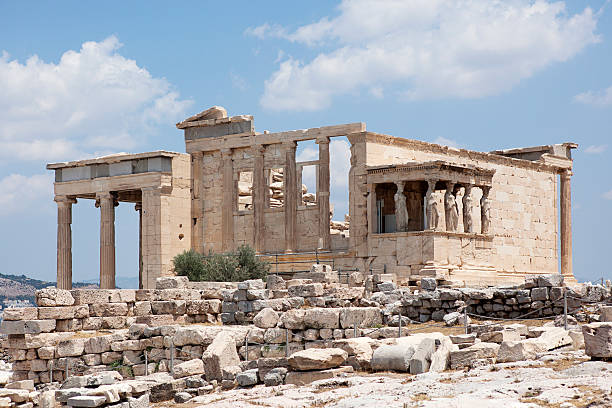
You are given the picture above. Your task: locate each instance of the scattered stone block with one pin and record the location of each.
(188, 368)
(429, 284)
(550, 280)
(598, 339)
(27, 326)
(266, 318)
(172, 282)
(605, 314)
(20, 313)
(306, 290)
(360, 316)
(511, 351)
(276, 376)
(247, 378)
(54, 297)
(317, 359)
(221, 353)
(87, 401)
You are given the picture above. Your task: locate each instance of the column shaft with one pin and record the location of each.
(323, 193)
(259, 198)
(106, 201)
(64, 242)
(227, 212)
(566, 224)
(290, 195)
(138, 207)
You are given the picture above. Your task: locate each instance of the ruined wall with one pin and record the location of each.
(523, 206)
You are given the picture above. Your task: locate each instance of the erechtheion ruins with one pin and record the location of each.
(416, 209)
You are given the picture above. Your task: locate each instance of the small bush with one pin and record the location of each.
(230, 267)
(189, 264)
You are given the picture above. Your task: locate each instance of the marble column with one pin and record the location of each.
(64, 241)
(259, 198)
(468, 205)
(401, 211)
(485, 210)
(323, 193)
(227, 211)
(138, 207)
(290, 196)
(566, 224)
(106, 201)
(197, 230)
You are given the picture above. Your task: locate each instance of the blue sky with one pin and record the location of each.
(78, 79)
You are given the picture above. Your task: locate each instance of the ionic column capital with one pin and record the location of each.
(566, 174)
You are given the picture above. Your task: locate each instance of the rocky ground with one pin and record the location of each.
(557, 379)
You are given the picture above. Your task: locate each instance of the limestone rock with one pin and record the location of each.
(321, 318)
(440, 359)
(54, 297)
(598, 339)
(27, 326)
(266, 318)
(188, 368)
(605, 314)
(307, 290)
(87, 401)
(172, 282)
(221, 353)
(550, 280)
(429, 284)
(360, 348)
(293, 319)
(421, 359)
(317, 359)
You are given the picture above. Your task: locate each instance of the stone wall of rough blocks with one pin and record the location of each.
(523, 204)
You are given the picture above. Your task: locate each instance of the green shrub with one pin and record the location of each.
(189, 264)
(230, 267)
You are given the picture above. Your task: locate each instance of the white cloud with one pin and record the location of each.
(425, 49)
(20, 193)
(600, 98)
(608, 195)
(93, 100)
(596, 149)
(446, 142)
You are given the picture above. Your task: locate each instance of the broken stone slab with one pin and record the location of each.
(321, 318)
(16, 395)
(397, 356)
(550, 280)
(275, 282)
(465, 357)
(598, 339)
(440, 359)
(27, 326)
(429, 284)
(511, 351)
(500, 336)
(577, 339)
(360, 348)
(605, 314)
(463, 338)
(317, 359)
(553, 337)
(293, 319)
(221, 353)
(421, 359)
(307, 290)
(87, 401)
(300, 378)
(276, 376)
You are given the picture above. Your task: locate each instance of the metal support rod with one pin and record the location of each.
(317, 255)
(51, 371)
(171, 357)
(399, 331)
(67, 369)
(146, 362)
(286, 342)
(465, 319)
(565, 308)
(246, 347)
(355, 330)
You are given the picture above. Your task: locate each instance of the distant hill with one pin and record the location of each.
(22, 288)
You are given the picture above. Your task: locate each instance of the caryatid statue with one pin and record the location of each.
(468, 204)
(431, 200)
(401, 212)
(485, 210)
(451, 211)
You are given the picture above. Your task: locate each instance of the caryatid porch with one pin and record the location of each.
(158, 183)
(406, 205)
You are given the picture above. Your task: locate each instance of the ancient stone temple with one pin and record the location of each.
(415, 209)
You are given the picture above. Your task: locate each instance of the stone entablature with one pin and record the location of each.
(158, 183)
